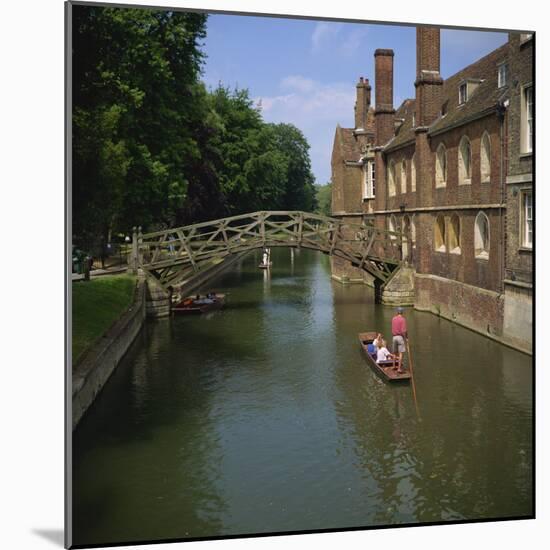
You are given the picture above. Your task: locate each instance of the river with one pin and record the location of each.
(265, 417)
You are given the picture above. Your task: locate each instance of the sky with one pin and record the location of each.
(304, 71)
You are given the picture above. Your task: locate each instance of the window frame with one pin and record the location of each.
(524, 193)
(368, 180)
(526, 128)
(502, 80)
(403, 177)
(440, 224)
(454, 229)
(391, 179)
(462, 93)
(392, 226)
(441, 151)
(464, 176)
(413, 173)
(485, 177)
(485, 252)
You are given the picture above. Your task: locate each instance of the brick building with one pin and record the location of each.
(451, 170)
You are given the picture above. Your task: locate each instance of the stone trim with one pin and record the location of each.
(519, 284)
(519, 178)
(343, 214)
(444, 208)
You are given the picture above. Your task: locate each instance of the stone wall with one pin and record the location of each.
(399, 290)
(90, 374)
(518, 316)
(475, 308)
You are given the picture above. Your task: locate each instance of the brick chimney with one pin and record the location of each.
(362, 103)
(428, 80)
(384, 111)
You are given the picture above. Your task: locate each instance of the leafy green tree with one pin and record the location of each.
(136, 107)
(153, 147)
(299, 189)
(324, 199)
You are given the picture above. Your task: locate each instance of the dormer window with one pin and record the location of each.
(462, 93)
(414, 119)
(502, 75)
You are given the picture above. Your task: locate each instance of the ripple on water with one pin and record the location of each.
(265, 417)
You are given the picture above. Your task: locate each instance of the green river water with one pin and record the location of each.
(265, 417)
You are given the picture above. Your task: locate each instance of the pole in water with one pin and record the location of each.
(412, 380)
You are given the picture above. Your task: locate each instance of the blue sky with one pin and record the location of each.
(304, 72)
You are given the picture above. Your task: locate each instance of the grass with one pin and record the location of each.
(97, 304)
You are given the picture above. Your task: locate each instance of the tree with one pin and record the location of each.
(324, 199)
(299, 189)
(136, 96)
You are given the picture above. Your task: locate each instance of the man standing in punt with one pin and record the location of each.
(399, 332)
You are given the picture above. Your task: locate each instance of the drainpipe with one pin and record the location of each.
(501, 113)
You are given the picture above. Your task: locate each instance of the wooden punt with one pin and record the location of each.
(386, 369)
(189, 305)
(264, 266)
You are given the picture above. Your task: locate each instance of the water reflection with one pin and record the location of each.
(265, 417)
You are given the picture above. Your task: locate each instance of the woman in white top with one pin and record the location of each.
(383, 354)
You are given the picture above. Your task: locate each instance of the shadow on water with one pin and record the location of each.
(265, 417)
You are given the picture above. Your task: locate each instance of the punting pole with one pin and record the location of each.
(412, 379)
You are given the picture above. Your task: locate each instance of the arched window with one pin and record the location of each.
(454, 234)
(439, 234)
(413, 173)
(464, 161)
(441, 166)
(481, 237)
(403, 176)
(392, 224)
(413, 230)
(391, 179)
(485, 158)
(406, 238)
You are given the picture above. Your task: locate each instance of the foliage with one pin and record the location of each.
(152, 147)
(97, 304)
(136, 111)
(324, 199)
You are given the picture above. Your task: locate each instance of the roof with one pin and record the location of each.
(405, 132)
(485, 98)
(351, 149)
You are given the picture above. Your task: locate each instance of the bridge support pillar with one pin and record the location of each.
(157, 300)
(399, 290)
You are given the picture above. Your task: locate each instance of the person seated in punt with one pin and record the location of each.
(383, 355)
(375, 345)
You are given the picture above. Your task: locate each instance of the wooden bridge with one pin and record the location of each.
(172, 255)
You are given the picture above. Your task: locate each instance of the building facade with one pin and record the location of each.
(453, 169)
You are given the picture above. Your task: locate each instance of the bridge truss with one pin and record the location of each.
(172, 255)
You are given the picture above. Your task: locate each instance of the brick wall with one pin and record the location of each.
(519, 261)
(475, 309)
(521, 73)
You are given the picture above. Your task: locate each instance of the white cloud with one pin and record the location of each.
(345, 39)
(322, 35)
(297, 83)
(315, 108)
(353, 41)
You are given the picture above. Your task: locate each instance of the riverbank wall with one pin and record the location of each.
(471, 307)
(94, 369)
(92, 372)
